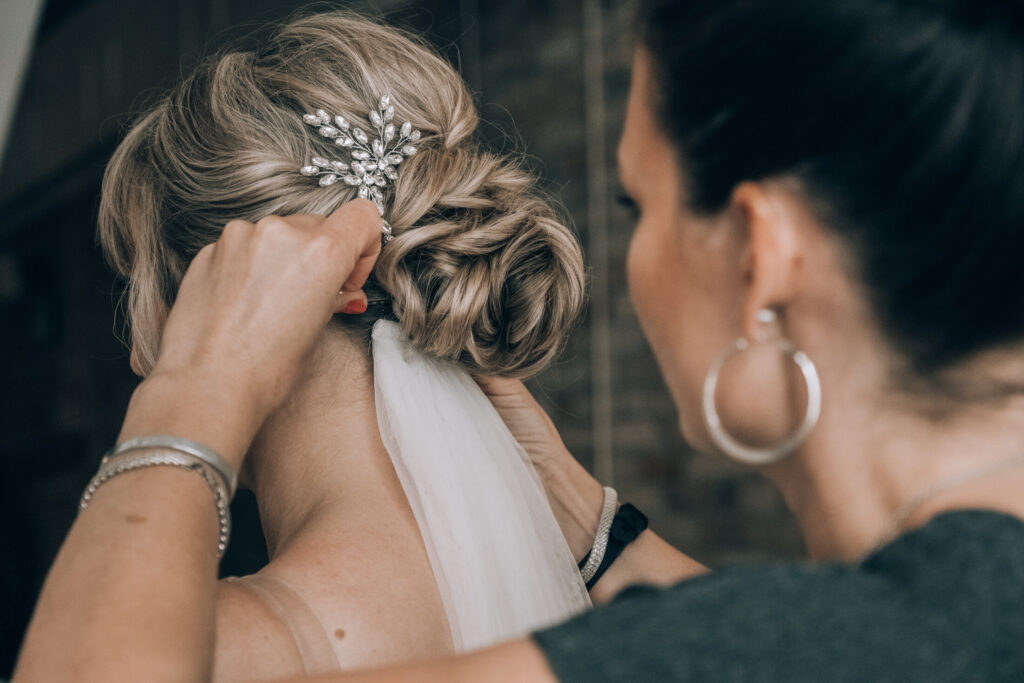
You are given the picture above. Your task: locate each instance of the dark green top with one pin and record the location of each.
(942, 603)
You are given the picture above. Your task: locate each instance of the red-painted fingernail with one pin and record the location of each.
(357, 306)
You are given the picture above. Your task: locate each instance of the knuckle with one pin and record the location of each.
(370, 214)
(366, 219)
(204, 255)
(326, 245)
(236, 226)
(272, 223)
(367, 207)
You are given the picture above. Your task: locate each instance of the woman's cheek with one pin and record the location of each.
(651, 289)
(657, 287)
(638, 275)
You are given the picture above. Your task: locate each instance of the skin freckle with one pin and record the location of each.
(339, 633)
(135, 519)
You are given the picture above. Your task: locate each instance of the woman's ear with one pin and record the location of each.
(772, 259)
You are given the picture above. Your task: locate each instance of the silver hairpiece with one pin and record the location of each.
(373, 163)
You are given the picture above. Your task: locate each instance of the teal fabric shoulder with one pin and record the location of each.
(942, 603)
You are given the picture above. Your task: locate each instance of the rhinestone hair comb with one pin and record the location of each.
(373, 163)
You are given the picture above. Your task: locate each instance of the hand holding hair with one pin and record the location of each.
(249, 309)
(576, 497)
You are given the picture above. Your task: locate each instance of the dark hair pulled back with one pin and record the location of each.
(902, 120)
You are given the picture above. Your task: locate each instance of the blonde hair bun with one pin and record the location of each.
(482, 269)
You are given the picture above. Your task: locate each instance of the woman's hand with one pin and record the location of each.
(576, 497)
(248, 311)
(527, 421)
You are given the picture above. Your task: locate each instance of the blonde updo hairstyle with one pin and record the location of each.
(482, 269)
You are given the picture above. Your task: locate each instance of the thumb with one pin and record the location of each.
(501, 386)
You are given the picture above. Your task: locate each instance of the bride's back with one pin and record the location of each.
(481, 272)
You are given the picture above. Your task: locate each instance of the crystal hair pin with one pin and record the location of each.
(373, 163)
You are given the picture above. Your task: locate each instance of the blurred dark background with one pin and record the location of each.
(550, 77)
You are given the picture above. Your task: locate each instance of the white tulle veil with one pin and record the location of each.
(501, 562)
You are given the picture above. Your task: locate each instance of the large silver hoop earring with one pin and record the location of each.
(729, 444)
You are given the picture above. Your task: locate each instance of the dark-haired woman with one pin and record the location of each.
(830, 208)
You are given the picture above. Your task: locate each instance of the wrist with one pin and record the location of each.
(195, 408)
(576, 498)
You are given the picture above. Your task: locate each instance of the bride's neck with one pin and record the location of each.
(319, 457)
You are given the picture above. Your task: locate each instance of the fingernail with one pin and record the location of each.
(357, 306)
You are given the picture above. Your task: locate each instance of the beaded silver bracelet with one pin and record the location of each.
(604, 527)
(194, 448)
(115, 463)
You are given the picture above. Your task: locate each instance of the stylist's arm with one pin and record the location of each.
(130, 596)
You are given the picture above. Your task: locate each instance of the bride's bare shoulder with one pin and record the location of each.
(374, 604)
(252, 642)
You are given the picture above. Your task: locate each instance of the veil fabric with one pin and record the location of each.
(501, 563)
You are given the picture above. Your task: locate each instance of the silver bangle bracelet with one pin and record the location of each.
(176, 443)
(604, 527)
(111, 466)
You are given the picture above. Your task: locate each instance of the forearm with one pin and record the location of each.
(131, 593)
(576, 499)
(194, 407)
